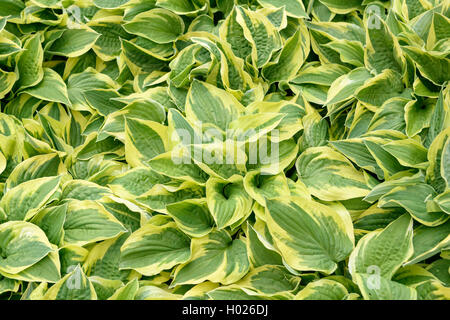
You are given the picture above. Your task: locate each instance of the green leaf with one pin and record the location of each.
(309, 235)
(434, 67)
(294, 53)
(192, 217)
(127, 292)
(51, 88)
(344, 87)
(330, 176)
(156, 246)
(383, 252)
(379, 288)
(29, 63)
(208, 104)
(428, 241)
(158, 25)
(22, 245)
(215, 257)
(382, 50)
(181, 7)
(381, 88)
(87, 221)
(228, 202)
(23, 201)
(73, 286)
(7, 80)
(323, 289)
(73, 42)
(261, 33)
(412, 199)
(294, 8)
(144, 139)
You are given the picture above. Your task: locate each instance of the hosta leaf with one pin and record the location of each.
(155, 293)
(438, 159)
(309, 235)
(84, 190)
(8, 47)
(192, 217)
(382, 49)
(22, 245)
(208, 104)
(350, 52)
(258, 252)
(233, 292)
(412, 198)
(294, 8)
(158, 197)
(383, 251)
(39, 166)
(23, 201)
(408, 153)
(7, 80)
(135, 182)
(261, 187)
(138, 58)
(342, 7)
(263, 36)
(269, 280)
(144, 140)
(110, 4)
(379, 288)
(443, 201)
(105, 288)
(158, 25)
(29, 63)
(127, 292)
(233, 75)
(292, 56)
(51, 221)
(2, 162)
(9, 285)
(176, 166)
(390, 115)
(103, 259)
(388, 163)
(381, 88)
(322, 75)
(439, 120)
(87, 221)
(355, 150)
(323, 289)
(232, 32)
(156, 246)
(12, 7)
(225, 160)
(181, 6)
(73, 286)
(417, 116)
(46, 270)
(51, 88)
(428, 241)
(432, 66)
(330, 176)
(73, 42)
(228, 202)
(215, 257)
(344, 87)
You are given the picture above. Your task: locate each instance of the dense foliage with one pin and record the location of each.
(224, 149)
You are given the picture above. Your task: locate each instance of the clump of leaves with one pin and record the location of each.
(323, 132)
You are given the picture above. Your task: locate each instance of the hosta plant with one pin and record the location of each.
(224, 149)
